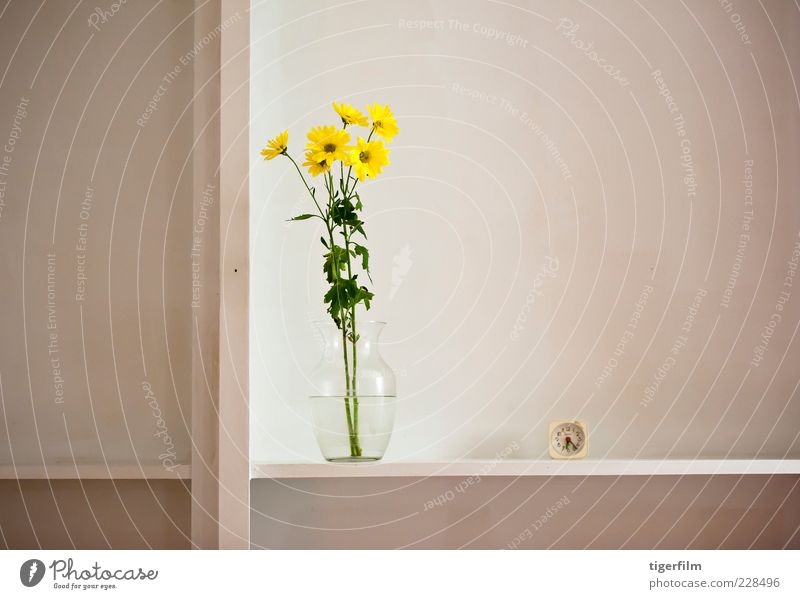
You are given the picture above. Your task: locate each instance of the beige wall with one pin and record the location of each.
(672, 221)
(475, 202)
(515, 148)
(91, 164)
(95, 514)
(569, 512)
(131, 326)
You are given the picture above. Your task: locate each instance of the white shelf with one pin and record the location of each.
(465, 468)
(94, 471)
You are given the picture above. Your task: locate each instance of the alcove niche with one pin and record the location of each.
(549, 242)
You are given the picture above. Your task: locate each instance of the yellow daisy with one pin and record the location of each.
(368, 158)
(383, 121)
(327, 143)
(350, 115)
(314, 167)
(276, 147)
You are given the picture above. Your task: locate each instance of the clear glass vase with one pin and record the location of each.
(353, 397)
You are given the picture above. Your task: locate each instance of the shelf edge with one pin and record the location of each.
(94, 472)
(480, 468)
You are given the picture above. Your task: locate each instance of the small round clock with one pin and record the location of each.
(568, 440)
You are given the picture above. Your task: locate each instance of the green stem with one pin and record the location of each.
(347, 191)
(354, 341)
(355, 391)
(355, 450)
(350, 382)
(355, 441)
(310, 192)
(350, 429)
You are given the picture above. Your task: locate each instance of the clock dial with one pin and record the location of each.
(568, 438)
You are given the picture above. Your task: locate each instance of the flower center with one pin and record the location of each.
(378, 124)
(329, 148)
(364, 156)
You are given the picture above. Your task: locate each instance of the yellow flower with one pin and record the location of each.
(350, 115)
(314, 167)
(276, 147)
(368, 158)
(383, 121)
(327, 143)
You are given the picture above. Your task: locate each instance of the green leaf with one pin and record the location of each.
(334, 308)
(335, 262)
(303, 217)
(364, 295)
(342, 212)
(342, 296)
(325, 243)
(360, 250)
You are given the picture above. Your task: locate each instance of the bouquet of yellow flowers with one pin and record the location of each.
(340, 213)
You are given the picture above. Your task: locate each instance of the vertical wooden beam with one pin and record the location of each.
(205, 258)
(234, 463)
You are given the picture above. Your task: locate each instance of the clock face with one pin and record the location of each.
(568, 438)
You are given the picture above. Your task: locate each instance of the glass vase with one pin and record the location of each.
(353, 397)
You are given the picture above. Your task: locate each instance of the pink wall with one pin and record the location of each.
(601, 512)
(94, 514)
